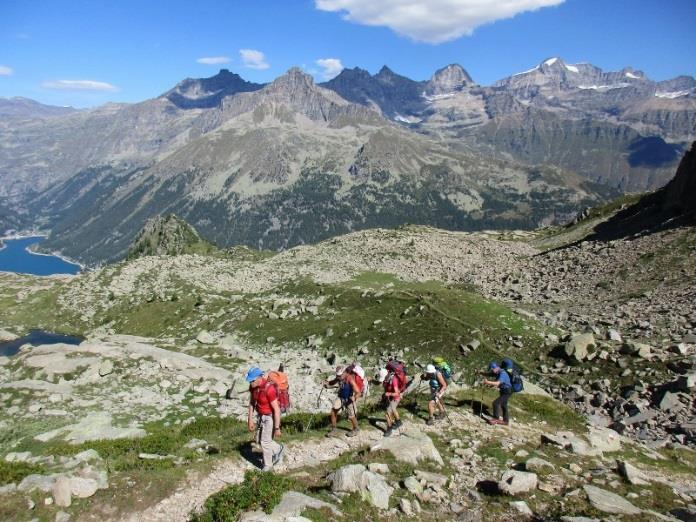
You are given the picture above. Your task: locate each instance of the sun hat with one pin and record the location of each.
(253, 374)
(430, 369)
(382, 374)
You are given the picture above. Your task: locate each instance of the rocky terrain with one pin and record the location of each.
(141, 421)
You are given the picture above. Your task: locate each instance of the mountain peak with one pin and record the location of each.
(295, 79)
(385, 71)
(205, 93)
(448, 79)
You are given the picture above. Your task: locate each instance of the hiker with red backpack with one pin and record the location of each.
(390, 398)
(264, 401)
(350, 388)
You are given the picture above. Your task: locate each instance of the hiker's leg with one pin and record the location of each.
(497, 407)
(504, 404)
(431, 408)
(268, 445)
(334, 412)
(395, 410)
(353, 415)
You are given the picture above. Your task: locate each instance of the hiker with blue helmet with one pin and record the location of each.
(264, 401)
(504, 386)
(438, 385)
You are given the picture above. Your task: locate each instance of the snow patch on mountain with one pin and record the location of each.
(550, 61)
(572, 68)
(632, 76)
(604, 87)
(671, 95)
(412, 119)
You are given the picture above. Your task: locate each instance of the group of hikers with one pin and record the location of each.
(270, 398)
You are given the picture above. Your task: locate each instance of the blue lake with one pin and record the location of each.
(37, 338)
(16, 258)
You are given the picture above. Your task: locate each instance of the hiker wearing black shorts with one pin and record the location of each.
(504, 386)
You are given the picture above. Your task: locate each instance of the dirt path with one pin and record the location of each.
(192, 493)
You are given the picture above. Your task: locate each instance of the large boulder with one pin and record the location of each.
(62, 491)
(7, 336)
(516, 482)
(609, 502)
(289, 509)
(577, 348)
(356, 478)
(81, 487)
(632, 474)
(347, 479)
(412, 447)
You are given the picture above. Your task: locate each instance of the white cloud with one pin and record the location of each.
(213, 60)
(253, 59)
(79, 85)
(432, 21)
(330, 67)
(6, 71)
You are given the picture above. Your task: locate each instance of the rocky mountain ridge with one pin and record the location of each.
(222, 151)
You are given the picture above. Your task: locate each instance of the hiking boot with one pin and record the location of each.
(333, 432)
(352, 433)
(388, 431)
(430, 421)
(266, 469)
(494, 422)
(439, 414)
(397, 424)
(278, 457)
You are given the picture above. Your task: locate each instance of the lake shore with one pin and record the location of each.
(32, 249)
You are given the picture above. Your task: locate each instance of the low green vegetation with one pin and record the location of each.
(259, 491)
(14, 472)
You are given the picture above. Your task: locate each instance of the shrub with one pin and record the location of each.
(258, 491)
(12, 472)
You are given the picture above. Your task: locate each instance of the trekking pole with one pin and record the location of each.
(439, 401)
(311, 418)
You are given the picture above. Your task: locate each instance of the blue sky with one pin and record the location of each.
(85, 53)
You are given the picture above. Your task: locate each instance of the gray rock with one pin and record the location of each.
(377, 467)
(604, 439)
(689, 339)
(522, 508)
(81, 487)
(62, 516)
(687, 382)
(62, 491)
(42, 482)
(632, 474)
(376, 490)
(538, 465)
(347, 479)
(613, 335)
(411, 447)
(515, 482)
(95, 426)
(578, 346)
(106, 368)
(8, 488)
(7, 336)
(431, 478)
(413, 485)
(609, 502)
(405, 506)
(293, 504)
(205, 338)
(579, 519)
(670, 402)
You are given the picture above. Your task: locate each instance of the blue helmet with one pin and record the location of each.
(253, 374)
(492, 366)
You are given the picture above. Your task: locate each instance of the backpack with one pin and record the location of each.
(359, 374)
(515, 377)
(280, 381)
(398, 369)
(444, 367)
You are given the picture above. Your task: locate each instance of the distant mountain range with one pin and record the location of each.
(292, 162)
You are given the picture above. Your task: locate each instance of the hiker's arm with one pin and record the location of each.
(250, 418)
(276, 418)
(495, 384)
(356, 390)
(443, 384)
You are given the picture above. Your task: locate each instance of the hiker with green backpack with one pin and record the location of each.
(438, 384)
